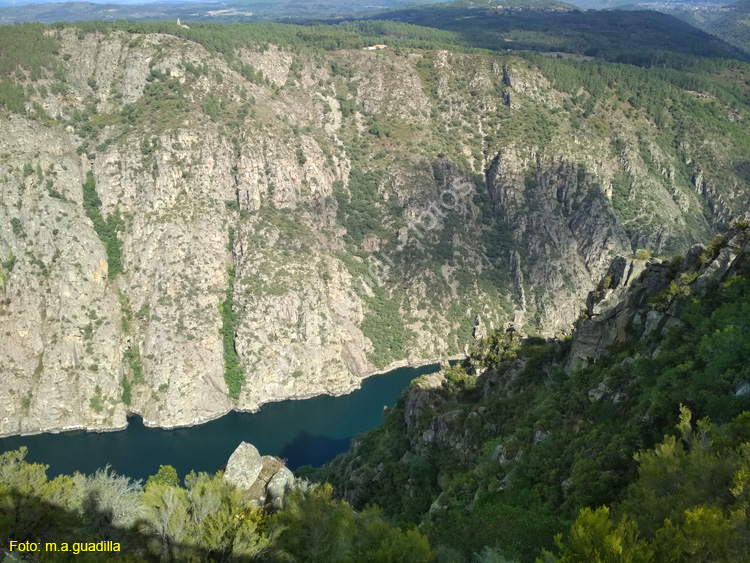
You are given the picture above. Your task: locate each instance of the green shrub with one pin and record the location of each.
(96, 402)
(714, 246)
(108, 231)
(126, 391)
(167, 476)
(234, 374)
(133, 356)
(10, 263)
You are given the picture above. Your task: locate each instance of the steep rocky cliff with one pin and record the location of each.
(642, 294)
(525, 432)
(185, 232)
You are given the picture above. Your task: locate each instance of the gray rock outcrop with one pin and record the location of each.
(244, 466)
(641, 293)
(280, 484)
(264, 480)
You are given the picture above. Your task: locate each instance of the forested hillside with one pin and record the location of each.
(635, 431)
(730, 23)
(636, 36)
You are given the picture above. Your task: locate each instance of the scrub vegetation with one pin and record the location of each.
(108, 229)
(204, 520)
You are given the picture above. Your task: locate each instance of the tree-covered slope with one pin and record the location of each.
(635, 36)
(689, 501)
(217, 217)
(504, 450)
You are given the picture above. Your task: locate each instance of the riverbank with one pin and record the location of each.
(121, 426)
(400, 364)
(310, 431)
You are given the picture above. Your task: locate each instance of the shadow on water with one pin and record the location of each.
(307, 449)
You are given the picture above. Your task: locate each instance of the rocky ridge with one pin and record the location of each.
(462, 419)
(643, 294)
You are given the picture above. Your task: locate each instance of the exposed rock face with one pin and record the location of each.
(480, 330)
(244, 466)
(265, 480)
(626, 294)
(570, 228)
(421, 397)
(335, 197)
(743, 389)
(60, 335)
(277, 488)
(628, 284)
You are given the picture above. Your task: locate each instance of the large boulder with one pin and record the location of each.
(264, 480)
(280, 483)
(244, 466)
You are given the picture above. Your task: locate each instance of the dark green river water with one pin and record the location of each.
(311, 431)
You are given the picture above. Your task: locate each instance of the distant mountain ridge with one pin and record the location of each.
(196, 10)
(729, 22)
(21, 3)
